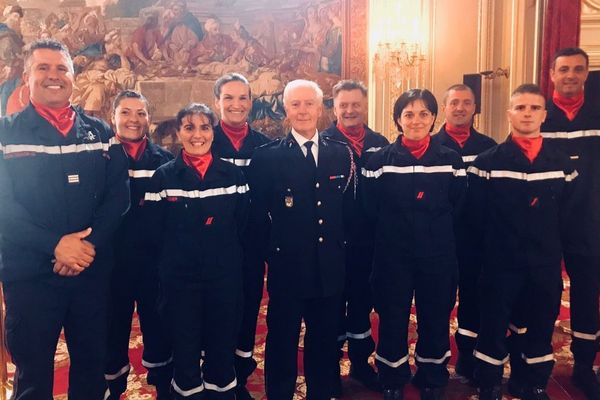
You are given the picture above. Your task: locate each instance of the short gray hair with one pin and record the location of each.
(302, 83)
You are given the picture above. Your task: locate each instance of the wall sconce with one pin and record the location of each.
(505, 72)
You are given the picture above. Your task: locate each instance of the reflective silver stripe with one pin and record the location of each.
(68, 149)
(141, 173)
(516, 329)
(585, 336)
(413, 169)
(240, 162)
(186, 393)
(469, 158)
(106, 394)
(373, 149)
(196, 194)
(389, 363)
(433, 360)
(363, 335)
(122, 371)
(466, 332)
(571, 176)
(537, 360)
(571, 135)
(243, 354)
(523, 176)
(488, 359)
(342, 337)
(158, 364)
(215, 388)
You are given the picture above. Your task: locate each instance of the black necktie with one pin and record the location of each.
(310, 159)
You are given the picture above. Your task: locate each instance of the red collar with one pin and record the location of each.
(199, 164)
(355, 136)
(62, 118)
(459, 134)
(529, 146)
(134, 149)
(416, 147)
(236, 135)
(570, 105)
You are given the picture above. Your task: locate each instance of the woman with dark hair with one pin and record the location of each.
(134, 282)
(200, 203)
(412, 189)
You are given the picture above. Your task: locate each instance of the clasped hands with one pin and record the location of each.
(73, 253)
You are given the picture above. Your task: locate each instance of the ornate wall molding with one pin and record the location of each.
(356, 51)
(590, 31)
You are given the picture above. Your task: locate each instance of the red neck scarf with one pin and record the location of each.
(459, 134)
(529, 146)
(198, 163)
(236, 134)
(416, 147)
(62, 118)
(570, 105)
(355, 136)
(134, 149)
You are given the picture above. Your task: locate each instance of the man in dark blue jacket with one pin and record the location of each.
(299, 183)
(349, 105)
(573, 125)
(64, 190)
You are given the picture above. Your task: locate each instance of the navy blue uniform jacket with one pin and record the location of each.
(197, 223)
(414, 203)
(54, 185)
(304, 239)
(580, 139)
(518, 207)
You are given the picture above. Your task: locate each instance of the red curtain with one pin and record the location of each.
(562, 24)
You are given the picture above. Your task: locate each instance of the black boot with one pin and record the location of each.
(241, 393)
(163, 392)
(393, 394)
(516, 387)
(432, 394)
(465, 366)
(585, 379)
(490, 393)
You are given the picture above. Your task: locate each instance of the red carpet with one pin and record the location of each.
(559, 387)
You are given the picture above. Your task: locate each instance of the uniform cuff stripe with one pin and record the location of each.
(537, 360)
(157, 364)
(490, 360)
(122, 371)
(187, 393)
(433, 360)
(215, 388)
(363, 335)
(393, 364)
(466, 332)
(243, 354)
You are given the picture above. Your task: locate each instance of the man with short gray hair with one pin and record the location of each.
(298, 184)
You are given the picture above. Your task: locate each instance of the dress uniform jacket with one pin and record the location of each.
(476, 143)
(200, 222)
(518, 210)
(54, 185)
(134, 283)
(580, 139)
(305, 243)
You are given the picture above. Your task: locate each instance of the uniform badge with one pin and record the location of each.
(289, 201)
(90, 137)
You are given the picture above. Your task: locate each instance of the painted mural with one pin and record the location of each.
(173, 50)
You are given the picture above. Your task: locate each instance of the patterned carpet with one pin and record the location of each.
(560, 387)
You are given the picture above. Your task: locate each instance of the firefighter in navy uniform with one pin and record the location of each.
(413, 190)
(299, 182)
(519, 195)
(198, 204)
(134, 282)
(235, 142)
(573, 124)
(459, 135)
(64, 191)
(349, 105)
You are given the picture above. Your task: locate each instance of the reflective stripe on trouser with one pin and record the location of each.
(356, 307)
(433, 285)
(585, 322)
(254, 275)
(503, 292)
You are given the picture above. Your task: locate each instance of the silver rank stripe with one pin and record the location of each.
(73, 178)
